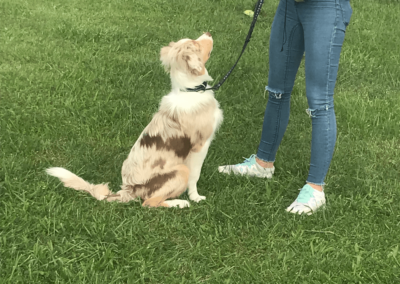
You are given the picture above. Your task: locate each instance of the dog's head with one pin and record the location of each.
(188, 56)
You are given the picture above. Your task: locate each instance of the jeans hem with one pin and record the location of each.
(315, 183)
(265, 160)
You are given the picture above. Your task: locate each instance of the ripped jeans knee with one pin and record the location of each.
(274, 94)
(313, 112)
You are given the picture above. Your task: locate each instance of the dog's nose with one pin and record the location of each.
(208, 34)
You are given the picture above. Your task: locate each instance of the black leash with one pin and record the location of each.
(203, 86)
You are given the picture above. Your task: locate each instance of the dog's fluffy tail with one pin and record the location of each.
(98, 191)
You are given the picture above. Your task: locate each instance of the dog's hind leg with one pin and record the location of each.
(155, 202)
(114, 197)
(124, 195)
(166, 186)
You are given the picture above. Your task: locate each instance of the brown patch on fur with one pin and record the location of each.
(148, 141)
(198, 126)
(154, 184)
(165, 185)
(158, 181)
(180, 145)
(159, 163)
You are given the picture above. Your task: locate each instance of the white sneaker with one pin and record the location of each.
(308, 201)
(249, 168)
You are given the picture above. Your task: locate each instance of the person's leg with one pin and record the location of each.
(323, 43)
(282, 72)
(324, 24)
(283, 66)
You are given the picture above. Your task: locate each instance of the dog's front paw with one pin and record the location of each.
(197, 197)
(177, 203)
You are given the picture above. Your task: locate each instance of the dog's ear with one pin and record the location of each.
(191, 55)
(165, 57)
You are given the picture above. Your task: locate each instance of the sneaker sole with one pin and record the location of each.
(222, 170)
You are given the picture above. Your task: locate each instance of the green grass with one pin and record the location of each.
(79, 80)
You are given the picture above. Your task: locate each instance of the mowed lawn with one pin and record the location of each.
(79, 80)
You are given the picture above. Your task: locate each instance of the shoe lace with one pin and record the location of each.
(248, 161)
(305, 195)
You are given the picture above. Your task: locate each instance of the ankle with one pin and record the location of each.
(316, 187)
(263, 164)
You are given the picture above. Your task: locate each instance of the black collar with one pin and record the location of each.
(199, 88)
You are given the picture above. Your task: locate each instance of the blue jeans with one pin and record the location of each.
(316, 27)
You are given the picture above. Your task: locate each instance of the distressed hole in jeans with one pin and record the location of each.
(312, 112)
(277, 96)
(274, 93)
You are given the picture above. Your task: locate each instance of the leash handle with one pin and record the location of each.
(257, 10)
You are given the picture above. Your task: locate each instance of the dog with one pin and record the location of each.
(167, 158)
